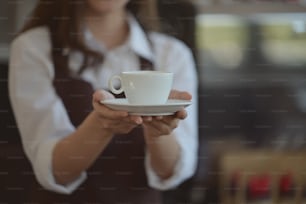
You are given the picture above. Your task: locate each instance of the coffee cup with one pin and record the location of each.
(143, 87)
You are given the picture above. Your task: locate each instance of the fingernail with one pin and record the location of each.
(138, 121)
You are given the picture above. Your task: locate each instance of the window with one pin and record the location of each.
(234, 48)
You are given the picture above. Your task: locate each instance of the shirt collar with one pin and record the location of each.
(137, 41)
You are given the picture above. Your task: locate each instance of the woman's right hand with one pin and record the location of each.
(112, 121)
(90, 139)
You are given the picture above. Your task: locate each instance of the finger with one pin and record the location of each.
(121, 128)
(147, 118)
(182, 95)
(135, 118)
(118, 124)
(162, 127)
(165, 120)
(107, 113)
(104, 111)
(171, 121)
(181, 114)
(101, 95)
(159, 117)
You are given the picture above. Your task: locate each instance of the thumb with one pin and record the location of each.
(101, 95)
(181, 95)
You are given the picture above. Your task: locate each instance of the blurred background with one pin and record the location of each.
(251, 61)
(252, 69)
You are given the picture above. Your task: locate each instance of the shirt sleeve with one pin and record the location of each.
(40, 114)
(177, 58)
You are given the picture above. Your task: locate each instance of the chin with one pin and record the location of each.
(105, 6)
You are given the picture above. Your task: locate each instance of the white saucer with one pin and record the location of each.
(170, 107)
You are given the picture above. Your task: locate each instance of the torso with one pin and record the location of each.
(118, 175)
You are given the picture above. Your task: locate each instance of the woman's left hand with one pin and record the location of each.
(164, 125)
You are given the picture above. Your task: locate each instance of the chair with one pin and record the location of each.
(277, 171)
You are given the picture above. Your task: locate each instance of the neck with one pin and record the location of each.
(109, 28)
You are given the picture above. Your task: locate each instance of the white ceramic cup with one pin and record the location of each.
(143, 87)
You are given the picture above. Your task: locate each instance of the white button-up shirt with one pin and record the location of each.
(43, 120)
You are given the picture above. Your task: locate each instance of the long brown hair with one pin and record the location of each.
(62, 19)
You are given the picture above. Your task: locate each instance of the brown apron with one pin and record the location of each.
(117, 176)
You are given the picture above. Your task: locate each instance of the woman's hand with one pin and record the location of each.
(164, 125)
(113, 121)
(164, 152)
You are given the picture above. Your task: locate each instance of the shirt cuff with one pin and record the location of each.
(182, 171)
(43, 170)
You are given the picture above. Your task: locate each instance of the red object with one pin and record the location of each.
(259, 187)
(286, 183)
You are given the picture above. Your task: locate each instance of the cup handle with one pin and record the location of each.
(111, 85)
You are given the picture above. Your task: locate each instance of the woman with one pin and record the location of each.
(78, 146)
